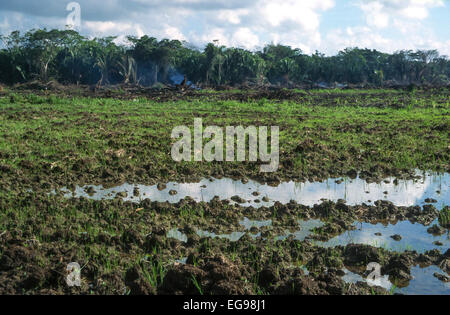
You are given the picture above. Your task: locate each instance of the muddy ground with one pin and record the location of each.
(57, 139)
(123, 248)
(326, 97)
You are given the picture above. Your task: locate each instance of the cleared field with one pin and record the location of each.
(48, 142)
(66, 141)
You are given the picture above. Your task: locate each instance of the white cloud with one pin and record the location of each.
(379, 13)
(367, 37)
(415, 12)
(289, 22)
(375, 15)
(244, 37)
(390, 25)
(173, 33)
(5, 27)
(302, 13)
(387, 25)
(104, 27)
(215, 34)
(232, 16)
(361, 36)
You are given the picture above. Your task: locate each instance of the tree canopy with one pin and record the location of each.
(70, 58)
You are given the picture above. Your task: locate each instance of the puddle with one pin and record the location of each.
(181, 260)
(233, 236)
(174, 233)
(248, 224)
(306, 228)
(354, 191)
(414, 237)
(236, 236)
(423, 282)
(351, 277)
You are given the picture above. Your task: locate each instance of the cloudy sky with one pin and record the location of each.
(324, 25)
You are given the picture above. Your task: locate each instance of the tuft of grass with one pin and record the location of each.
(197, 285)
(444, 217)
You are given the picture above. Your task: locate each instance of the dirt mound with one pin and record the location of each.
(279, 94)
(216, 275)
(268, 94)
(39, 86)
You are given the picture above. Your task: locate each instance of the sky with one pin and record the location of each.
(326, 25)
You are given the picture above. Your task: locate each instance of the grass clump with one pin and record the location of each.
(444, 217)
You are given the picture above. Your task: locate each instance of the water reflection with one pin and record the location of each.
(351, 277)
(305, 230)
(423, 282)
(414, 237)
(356, 191)
(233, 236)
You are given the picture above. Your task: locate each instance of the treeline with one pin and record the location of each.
(69, 58)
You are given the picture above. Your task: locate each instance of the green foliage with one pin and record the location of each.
(444, 217)
(68, 57)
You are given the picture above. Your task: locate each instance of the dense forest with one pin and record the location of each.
(69, 58)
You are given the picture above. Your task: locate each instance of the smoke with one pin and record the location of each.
(176, 77)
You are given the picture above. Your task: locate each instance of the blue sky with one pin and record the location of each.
(326, 25)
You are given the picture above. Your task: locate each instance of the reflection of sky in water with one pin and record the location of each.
(233, 237)
(414, 237)
(305, 230)
(423, 282)
(248, 224)
(356, 191)
(382, 281)
(174, 233)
